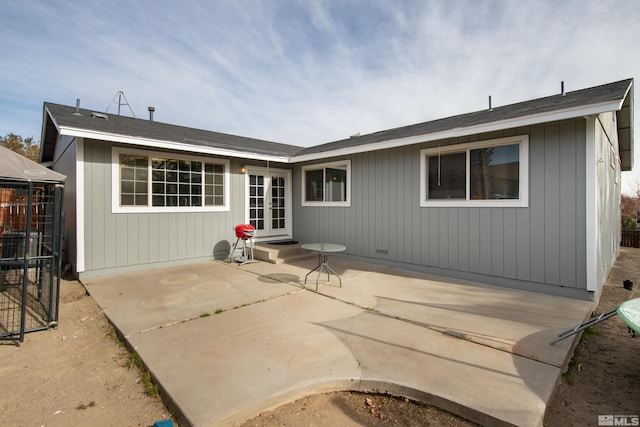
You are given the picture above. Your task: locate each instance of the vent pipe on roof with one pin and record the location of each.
(77, 112)
(151, 110)
(562, 88)
(490, 107)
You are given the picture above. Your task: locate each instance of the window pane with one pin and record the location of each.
(127, 160)
(141, 173)
(157, 175)
(141, 162)
(314, 184)
(133, 180)
(126, 172)
(158, 200)
(127, 187)
(335, 185)
(141, 187)
(214, 185)
(447, 176)
(495, 173)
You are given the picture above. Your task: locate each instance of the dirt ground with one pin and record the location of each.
(80, 374)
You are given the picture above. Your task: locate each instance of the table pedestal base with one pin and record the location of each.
(323, 263)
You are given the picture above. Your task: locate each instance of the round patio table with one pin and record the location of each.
(323, 249)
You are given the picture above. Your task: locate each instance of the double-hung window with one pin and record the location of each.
(161, 182)
(327, 184)
(485, 173)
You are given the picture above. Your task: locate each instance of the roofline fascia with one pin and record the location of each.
(557, 115)
(53, 119)
(46, 113)
(169, 145)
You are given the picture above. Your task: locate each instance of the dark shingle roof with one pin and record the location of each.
(128, 126)
(596, 95)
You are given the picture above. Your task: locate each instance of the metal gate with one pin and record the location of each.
(30, 256)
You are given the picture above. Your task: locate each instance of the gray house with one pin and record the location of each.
(523, 195)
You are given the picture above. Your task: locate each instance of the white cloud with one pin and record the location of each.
(306, 72)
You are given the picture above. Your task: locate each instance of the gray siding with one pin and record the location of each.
(139, 240)
(540, 247)
(608, 200)
(64, 161)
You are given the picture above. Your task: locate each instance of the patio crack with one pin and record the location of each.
(444, 331)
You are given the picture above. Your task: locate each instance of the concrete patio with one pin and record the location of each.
(226, 342)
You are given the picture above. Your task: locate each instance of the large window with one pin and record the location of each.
(485, 173)
(326, 184)
(162, 183)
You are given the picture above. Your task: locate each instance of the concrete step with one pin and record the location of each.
(281, 254)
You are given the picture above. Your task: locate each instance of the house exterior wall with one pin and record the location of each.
(608, 193)
(119, 242)
(540, 247)
(65, 157)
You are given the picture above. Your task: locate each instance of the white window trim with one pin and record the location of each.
(522, 202)
(115, 183)
(317, 166)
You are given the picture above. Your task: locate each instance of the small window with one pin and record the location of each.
(447, 176)
(495, 172)
(133, 180)
(158, 183)
(326, 184)
(486, 173)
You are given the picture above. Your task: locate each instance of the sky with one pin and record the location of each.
(306, 72)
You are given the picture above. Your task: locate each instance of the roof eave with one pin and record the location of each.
(169, 145)
(626, 131)
(533, 119)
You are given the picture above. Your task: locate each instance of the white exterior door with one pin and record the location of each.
(269, 202)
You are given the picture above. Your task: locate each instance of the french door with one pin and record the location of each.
(269, 201)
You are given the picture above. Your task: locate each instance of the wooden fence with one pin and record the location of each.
(630, 237)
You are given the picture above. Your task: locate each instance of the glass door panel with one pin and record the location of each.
(268, 198)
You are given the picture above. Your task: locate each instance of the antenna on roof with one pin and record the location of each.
(118, 99)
